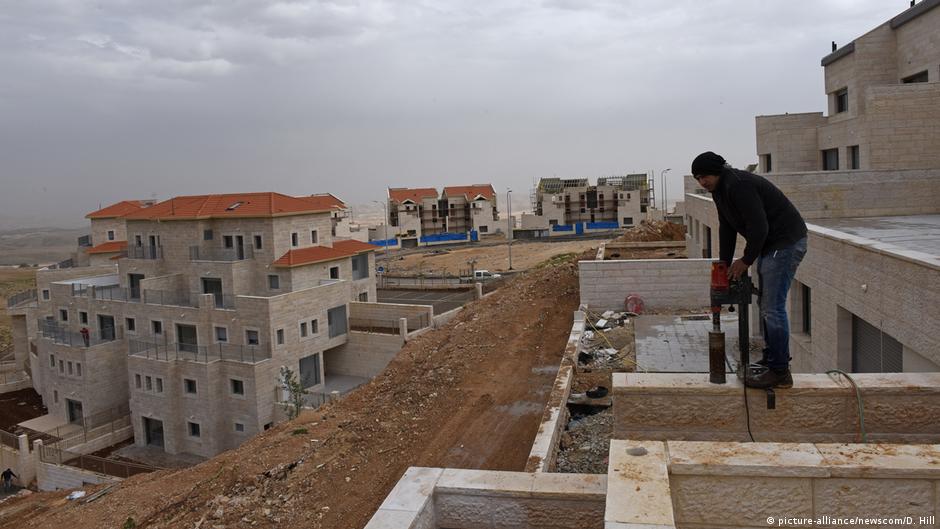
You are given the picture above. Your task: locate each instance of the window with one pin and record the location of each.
(363, 296)
(45, 294)
(360, 267)
(64, 314)
(78, 368)
(583, 210)
(228, 241)
(83, 317)
(853, 157)
(336, 321)
(207, 235)
(159, 385)
(628, 221)
(138, 241)
(303, 329)
(239, 427)
(61, 366)
(258, 245)
(280, 336)
(293, 239)
(842, 100)
(767, 162)
(189, 386)
(131, 324)
(52, 361)
(238, 386)
(807, 311)
(148, 383)
(484, 229)
(156, 326)
(193, 428)
(55, 396)
(274, 281)
(334, 272)
(70, 367)
(313, 236)
(251, 337)
(830, 160)
(919, 77)
(137, 380)
(110, 235)
(314, 327)
(221, 334)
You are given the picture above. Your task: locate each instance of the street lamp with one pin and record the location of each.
(509, 224)
(662, 179)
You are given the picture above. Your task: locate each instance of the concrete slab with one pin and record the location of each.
(679, 343)
(914, 236)
(341, 383)
(441, 300)
(50, 424)
(638, 485)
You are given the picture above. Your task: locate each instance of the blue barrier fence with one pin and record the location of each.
(385, 242)
(606, 225)
(443, 237)
(562, 227)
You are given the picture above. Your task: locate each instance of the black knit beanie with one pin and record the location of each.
(707, 163)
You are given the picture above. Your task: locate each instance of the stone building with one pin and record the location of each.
(416, 213)
(565, 206)
(189, 325)
(883, 104)
(867, 180)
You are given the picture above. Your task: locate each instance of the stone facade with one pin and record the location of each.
(883, 104)
(193, 325)
(565, 202)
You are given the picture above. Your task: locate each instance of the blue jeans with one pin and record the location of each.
(775, 272)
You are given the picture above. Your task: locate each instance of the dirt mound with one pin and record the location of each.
(469, 395)
(653, 230)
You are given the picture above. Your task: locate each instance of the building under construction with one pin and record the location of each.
(564, 204)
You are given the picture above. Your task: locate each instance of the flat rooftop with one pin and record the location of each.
(916, 237)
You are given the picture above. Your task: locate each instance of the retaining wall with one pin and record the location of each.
(898, 408)
(364, 354)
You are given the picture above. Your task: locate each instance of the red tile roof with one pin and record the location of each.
(116, 210)
(401, 194)
(231, 205)
(108, 247)
(326, 201)
(319, 254)
(471, 192)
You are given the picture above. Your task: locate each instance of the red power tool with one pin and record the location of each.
(731, 292)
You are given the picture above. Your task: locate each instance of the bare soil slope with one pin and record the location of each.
(469, 395)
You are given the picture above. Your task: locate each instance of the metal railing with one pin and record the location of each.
(9, 440)
(153, 349)
(176, 298)
(62, 264)
(61, 334)
(376, 325)
(94, 426)
(84, 241)
(22, 297)
(145, 252)
(101, 465)
(200, 253)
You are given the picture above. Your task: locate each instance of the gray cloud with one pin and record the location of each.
(112, 99)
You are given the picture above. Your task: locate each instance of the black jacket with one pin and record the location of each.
(750, 205)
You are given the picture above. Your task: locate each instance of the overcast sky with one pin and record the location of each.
(113, 99)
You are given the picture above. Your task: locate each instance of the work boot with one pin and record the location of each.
(770, 378)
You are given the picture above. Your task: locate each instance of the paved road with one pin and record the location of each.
(442, 300)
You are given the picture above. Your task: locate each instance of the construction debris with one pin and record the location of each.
(653, 230)
(609, 344)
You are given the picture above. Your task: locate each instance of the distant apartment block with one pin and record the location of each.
(185, 310)
(883, 104)
(565, 206)
(422, 215)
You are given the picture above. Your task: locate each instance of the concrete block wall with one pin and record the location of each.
(392, 312)
(903, 125)
(661, 283)
(50, 476)
(363, 355)
(899, 408)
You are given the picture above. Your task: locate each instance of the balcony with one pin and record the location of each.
(176, 298)
(152, 348)
(145, 252)
(27, 297)
(62, 335)
(226, 255)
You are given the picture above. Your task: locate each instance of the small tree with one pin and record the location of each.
(295, 392)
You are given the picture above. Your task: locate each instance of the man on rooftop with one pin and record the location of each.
(751, 206)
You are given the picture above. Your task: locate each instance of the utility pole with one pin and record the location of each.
(509, 224)
(662, 178)
(385, 222)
